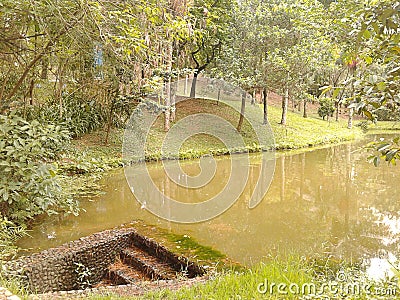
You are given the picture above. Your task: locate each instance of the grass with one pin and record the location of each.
(233, 284)
(309, 132)
(298, 133)
(384, 126)
(261, 282)
(15, 287)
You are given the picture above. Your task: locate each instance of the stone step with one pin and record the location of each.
(120, 273)
(151, 266)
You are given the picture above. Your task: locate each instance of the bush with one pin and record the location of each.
(9, 234)
(28, 185)
(326, 108)
(77, 115)
(387, 114)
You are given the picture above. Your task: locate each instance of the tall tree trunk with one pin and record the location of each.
(285, 103)
(59, 85)
(265, 106)
(293, 104)
(350, 121)
(304, 109)
(186, 85)
(110, 113)
(167, 113)
(337, 111)
(242, 110)
(351, 110)
(168, 97)
(174, 87)
(194, 83)
(31, 88)
(45, 68)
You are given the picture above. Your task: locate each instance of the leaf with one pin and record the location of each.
(367, 34)
(368, 114)
(368, 60)
(381, 86)
(383, 147)
(377, 161)
(325, 89)
(336, 92)
(52, 172)
(5, 195)
(391, 154)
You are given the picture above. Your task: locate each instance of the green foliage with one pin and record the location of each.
(9, 234)
(210, 30)
(76, 114)
(388, 150)
(74, 162)
(326, 108)
(387, 114)
(122, 108)
(377, 90)
(28, 185)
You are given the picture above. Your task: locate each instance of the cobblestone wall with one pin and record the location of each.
(73, 265)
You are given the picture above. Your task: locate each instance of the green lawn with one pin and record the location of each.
(384, 126)
(297, 277)
(298, 133)
(306, 132)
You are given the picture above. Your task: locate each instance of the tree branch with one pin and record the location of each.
(45, 50)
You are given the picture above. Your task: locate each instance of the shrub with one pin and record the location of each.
(326, 108)
(9, 234)
(77, 115)
(387, 114)
(28, 185)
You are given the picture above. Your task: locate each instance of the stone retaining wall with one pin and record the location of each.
(72, 265)
(83, 263)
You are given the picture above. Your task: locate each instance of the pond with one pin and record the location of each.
(324, 201)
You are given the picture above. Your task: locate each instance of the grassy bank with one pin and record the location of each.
(298, 133)
(384, 126)
(294, 277)
(89, 157)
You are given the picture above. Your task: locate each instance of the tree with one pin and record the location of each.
(210, 19)
(30, 33)
(274, 46)
(326, 108)
(378, 37)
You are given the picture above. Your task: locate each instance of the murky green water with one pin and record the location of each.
(327, 201)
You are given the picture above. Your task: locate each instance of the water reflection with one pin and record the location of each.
(329, 201)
